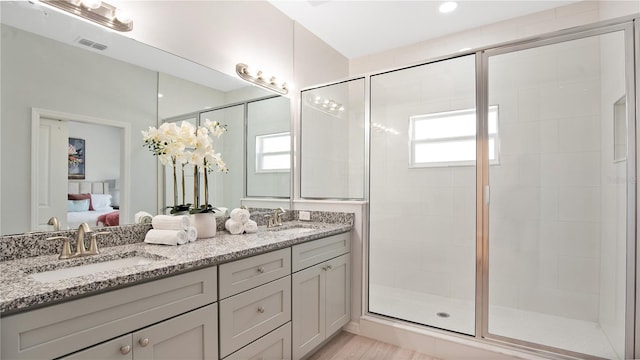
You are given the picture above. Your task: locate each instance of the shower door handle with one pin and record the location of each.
(487, 194)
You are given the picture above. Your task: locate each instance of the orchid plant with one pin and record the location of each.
(178, 146)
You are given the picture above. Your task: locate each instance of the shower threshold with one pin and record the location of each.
(564, 333)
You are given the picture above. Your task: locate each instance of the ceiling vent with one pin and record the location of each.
(91, 44)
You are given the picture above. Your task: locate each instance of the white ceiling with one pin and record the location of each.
(358, 28)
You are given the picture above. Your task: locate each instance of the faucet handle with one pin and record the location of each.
(93, 246)
(65, 253)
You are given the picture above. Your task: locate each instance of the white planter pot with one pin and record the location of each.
(205, 223)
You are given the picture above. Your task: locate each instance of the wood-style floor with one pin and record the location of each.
(349, 346)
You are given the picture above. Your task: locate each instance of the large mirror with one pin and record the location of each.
(63, 91)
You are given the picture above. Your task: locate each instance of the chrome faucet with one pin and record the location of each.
(56, 224)
(83, 231)
(276, 220)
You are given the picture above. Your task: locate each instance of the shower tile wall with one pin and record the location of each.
(422, 219)
(546, 192)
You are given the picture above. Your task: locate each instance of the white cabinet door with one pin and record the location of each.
(116, 349)
(192, 336)
(321, 303)
(308, 289)
(338, 293)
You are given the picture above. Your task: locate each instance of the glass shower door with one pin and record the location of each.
(422, 194)
(558, 204)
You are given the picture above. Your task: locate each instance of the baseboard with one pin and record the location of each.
(352, 327)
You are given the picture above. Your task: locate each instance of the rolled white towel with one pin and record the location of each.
(234, 227)
(192, 234)
(166, 237)
(142, 217)
(220, 212)
(239, 215)
(250, 227)
(170, 222)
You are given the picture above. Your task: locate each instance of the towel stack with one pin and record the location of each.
(171, 230)
(239, 222)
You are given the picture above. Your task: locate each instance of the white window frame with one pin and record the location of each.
(495, 136)
(260, 154)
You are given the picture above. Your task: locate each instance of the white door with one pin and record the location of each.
(51, 174)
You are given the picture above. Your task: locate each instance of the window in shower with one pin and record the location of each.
(449, 138)
(273, 152)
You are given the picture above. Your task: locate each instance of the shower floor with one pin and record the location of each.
(570, 334)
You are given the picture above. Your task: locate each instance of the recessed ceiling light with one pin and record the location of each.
(160, 95)
(448, 6)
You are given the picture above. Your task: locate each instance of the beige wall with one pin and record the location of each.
(220, 34)
(581, 13)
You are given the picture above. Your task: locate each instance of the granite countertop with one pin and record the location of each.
(20, 292)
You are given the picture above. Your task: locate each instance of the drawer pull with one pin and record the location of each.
(261, 310)
(143, 342)
(124, 350)
(261, 270)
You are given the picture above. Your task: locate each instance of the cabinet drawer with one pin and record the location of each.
(276, 345)
(248, 316)
(317, 251)
(60, 329)
(245, 274)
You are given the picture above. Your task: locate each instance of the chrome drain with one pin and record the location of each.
(443, 314)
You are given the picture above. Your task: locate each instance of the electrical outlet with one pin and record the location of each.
(304, 215)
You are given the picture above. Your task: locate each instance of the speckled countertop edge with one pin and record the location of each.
(20, 292)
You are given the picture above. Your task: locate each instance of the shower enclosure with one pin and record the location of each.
(503, 195)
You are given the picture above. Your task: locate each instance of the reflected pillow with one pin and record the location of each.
(100, 201)
(81, 197)
(77, 205)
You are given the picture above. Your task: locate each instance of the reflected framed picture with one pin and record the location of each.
(76, 158)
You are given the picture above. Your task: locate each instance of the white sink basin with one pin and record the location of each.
(294, 230)
(87, 269)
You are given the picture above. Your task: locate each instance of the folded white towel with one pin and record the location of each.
(166, 237)
(221, 212)
(192, 234)
(142, 217)
(239, 215)
(250, 227)
(170, 222)
(234, 227)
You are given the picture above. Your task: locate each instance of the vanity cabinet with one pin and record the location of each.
(68, 327)
(321, 291)
(189, 336)
(258, 302)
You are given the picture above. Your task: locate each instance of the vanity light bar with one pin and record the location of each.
(261, 79)
(96, 11)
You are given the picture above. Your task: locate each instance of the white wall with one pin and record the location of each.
(44, 74)
(580, 13)
(218, 34)
(181, 97)
(102, 150)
